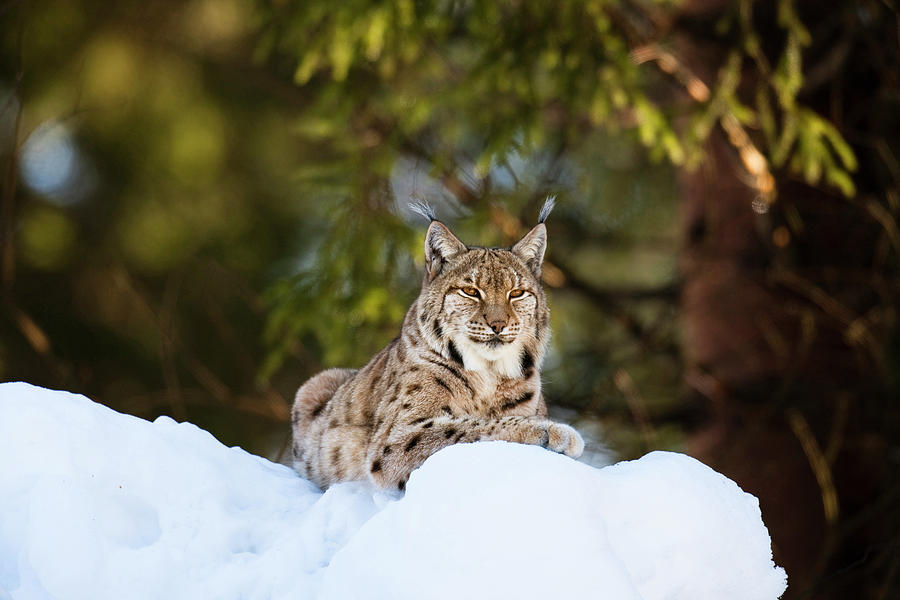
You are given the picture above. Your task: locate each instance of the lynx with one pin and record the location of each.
(465, 367)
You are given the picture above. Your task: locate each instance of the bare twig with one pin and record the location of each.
(855, 329)
(32, 332)
(836, 438)
(668, 63)
(817, 462)
(886, 220)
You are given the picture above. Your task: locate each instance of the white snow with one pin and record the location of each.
(95, 504)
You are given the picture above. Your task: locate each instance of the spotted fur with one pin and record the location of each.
(465, 367)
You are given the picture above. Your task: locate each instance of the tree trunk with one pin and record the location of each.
(777, 342)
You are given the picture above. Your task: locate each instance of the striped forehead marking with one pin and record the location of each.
(492, 272)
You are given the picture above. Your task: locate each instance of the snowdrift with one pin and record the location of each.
(95, 504)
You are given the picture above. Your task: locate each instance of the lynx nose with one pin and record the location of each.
(497, 326)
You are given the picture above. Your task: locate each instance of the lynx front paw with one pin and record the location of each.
(565, 440)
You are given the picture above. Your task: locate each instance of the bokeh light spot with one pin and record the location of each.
(197, 145)
(51, 165)
(112, 71)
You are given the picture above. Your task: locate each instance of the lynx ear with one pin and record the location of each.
(440, 245)
(531, 248)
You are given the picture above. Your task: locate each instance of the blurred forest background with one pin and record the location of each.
(203, 203)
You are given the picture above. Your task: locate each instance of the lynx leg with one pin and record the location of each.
(311, 399)
(409, 444)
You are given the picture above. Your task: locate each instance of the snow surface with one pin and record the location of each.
(95, 504)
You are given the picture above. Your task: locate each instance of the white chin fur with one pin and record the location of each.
(503, 359)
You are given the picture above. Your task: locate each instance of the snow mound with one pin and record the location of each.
(95, 504)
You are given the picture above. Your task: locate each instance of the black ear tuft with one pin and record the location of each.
(547, 208)
(423, 209)
(531, 248)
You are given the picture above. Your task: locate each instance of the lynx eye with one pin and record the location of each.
(470, 292)
(517, 293)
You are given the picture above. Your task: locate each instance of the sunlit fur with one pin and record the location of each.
(465, 367)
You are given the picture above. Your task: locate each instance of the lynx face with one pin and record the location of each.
(492, 310)
(487, 301)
